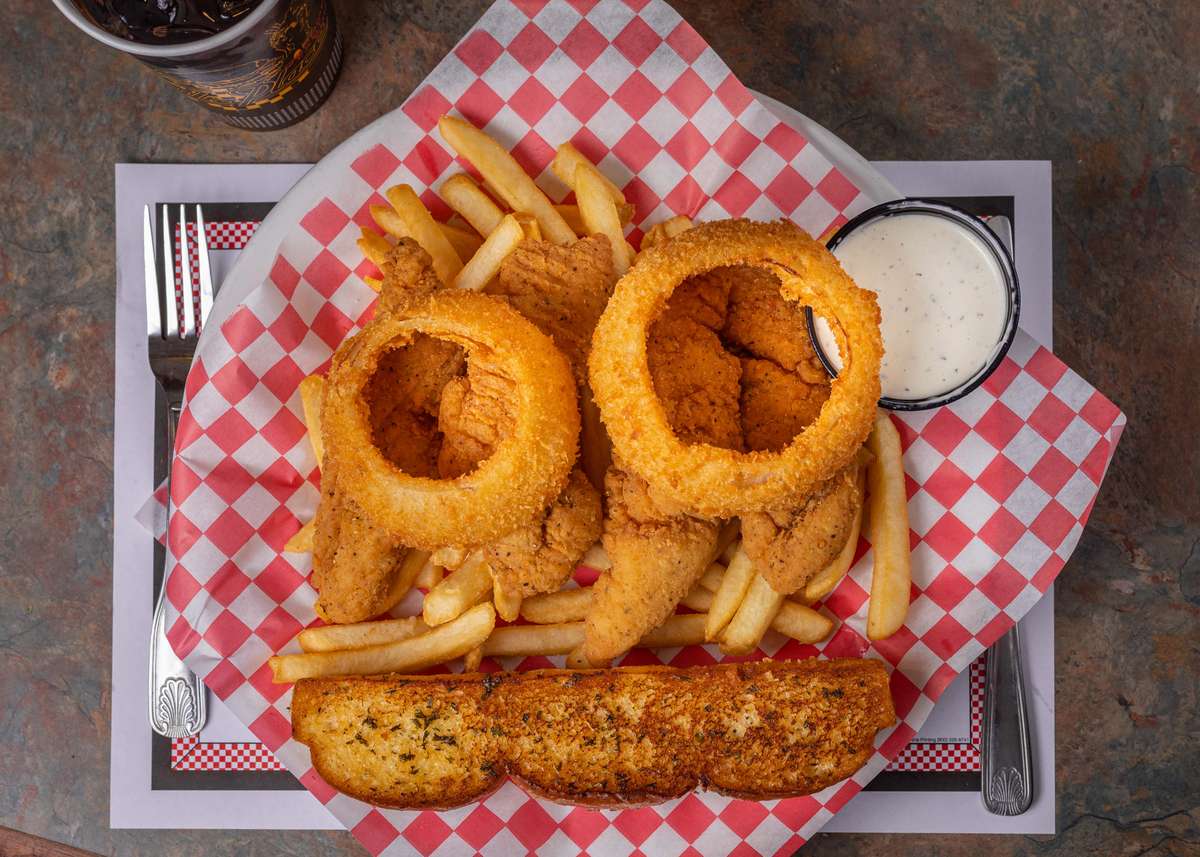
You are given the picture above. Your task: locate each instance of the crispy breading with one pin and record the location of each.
(704, 298)
(790, 545)
(601, 738)
(408, 276)
(355, 562)
(776, 404)
(696, 380)
(783, 388)
(657, 554)
(541, 556)
(476, 412)
(561, 289)
(762, 323)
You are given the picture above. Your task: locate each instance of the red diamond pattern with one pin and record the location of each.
(637, 41)
(531, 47)
(583, 44)
(687, 42)
(689, 92)
(1002, 584)
(788, 189)
(478, 51)
(325, 221)
(636, 95)
(374, 165)
(583, 98)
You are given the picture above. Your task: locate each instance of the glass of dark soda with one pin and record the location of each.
(259, 64)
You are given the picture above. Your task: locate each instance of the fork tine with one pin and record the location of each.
(167, 281)
(153, 301)
(185, 272)
(206, 286)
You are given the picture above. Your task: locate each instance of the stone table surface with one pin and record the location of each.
(1109, 91)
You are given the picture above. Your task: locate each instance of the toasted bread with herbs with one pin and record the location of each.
(598, 737)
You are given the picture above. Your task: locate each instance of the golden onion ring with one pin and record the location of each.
(707, 480)
(529, 466)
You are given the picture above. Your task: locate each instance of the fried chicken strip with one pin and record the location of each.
(789, 545)
(761, 323)
(562, 290)
(657, 551)
(356, 563)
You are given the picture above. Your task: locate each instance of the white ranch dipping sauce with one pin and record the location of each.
(942, 296)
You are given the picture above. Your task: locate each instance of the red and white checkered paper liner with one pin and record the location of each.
(1000, 483)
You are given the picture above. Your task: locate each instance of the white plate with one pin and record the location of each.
(258, 255)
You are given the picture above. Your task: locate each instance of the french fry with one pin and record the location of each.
(302, 540)
(801, 623)
(472, 659)
(529, 640)
(887, 530)
(360, 635)
(502, 172)
(415, 221)
(485, 264)
(698, 598)
(597, 558)
(508, 604)
(567, 159)
(711, 579)
(570, 213)
(599, 214)
(444, 643)
(793, 620)
(529, 225)
(429, 576)
(471, 203)
(824, 581)
(465, 242)
(312, 389)
(554, 608)
(450, 557)
(728, 597)
(406, 578)
(374, 282)
(374, 246)
(668, 229)
(468, 586)
(678, 630)
(754, 616)
(566, 638)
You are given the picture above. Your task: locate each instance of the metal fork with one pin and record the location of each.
(177, 704)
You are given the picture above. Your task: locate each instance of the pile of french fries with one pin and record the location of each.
(733, 606)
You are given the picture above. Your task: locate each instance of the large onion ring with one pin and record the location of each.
(708, 480)
(528, 468)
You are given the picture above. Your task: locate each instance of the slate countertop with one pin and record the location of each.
(1109, 92)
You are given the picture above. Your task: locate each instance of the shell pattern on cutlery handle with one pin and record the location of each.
(1007, 781)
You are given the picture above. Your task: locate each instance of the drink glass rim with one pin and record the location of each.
(177, 51)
